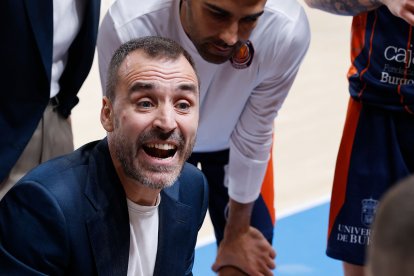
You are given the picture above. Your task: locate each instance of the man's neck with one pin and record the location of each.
(141, 194)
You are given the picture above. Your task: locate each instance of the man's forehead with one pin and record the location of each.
(138, 60)
(136, 57)
(138, 63)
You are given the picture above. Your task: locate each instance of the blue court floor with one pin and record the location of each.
(300, 241)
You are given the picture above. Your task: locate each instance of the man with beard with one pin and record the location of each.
(126, 205)
(247, 53)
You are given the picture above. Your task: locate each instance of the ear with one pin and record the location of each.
(107, 114)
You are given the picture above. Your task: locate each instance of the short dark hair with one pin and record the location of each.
(153, 46)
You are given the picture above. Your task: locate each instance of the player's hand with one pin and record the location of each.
(401, 8)
(230, 271)
(248, 251)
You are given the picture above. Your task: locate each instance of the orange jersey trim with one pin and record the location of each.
(359, 23)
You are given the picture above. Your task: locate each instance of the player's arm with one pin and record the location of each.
(250, 146)
(243, 246)
(344, 7)
(400, 8)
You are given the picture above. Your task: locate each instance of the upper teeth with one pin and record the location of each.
(161, 146)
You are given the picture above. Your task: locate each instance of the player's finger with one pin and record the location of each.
(272, 253)
(270, 263)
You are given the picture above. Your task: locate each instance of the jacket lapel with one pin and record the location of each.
(42, 25)
(110, 244)
(108, 227)
(173, 226)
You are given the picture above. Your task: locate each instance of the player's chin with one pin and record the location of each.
(216, 58)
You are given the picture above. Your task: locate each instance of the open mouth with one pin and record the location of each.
(161, 151)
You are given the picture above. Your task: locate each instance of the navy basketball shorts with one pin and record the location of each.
(376, 151)
(213, 166)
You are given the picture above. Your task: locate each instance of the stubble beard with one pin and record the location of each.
(151, 176)
(203, 47)
(203, 44)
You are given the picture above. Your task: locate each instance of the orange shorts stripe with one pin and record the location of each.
(343, 161)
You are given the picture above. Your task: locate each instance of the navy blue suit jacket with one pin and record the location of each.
(26, 28)
(69, 216)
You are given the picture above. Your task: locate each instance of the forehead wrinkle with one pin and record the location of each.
(153, 77)
(136, 69)
(151, 85)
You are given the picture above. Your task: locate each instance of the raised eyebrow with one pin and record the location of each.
(147, 86)
(188, 87)
(141, 86)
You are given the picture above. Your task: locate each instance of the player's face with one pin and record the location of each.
(153, 120)
(217, 27)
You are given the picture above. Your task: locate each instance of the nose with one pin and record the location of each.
(165, 119)
(230, 33)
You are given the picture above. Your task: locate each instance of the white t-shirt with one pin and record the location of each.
(143, 224)
(67, 19)
(238, 106)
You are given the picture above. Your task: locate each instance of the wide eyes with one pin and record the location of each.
(183, 106)
(146, 104)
